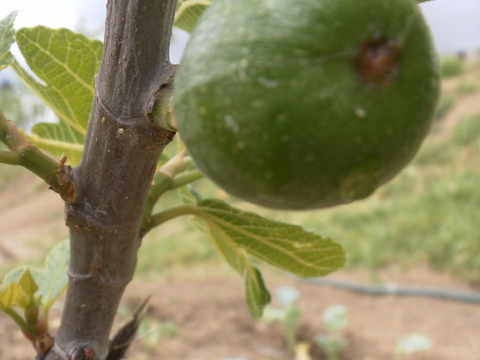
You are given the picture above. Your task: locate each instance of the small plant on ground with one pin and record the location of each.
(334, 320)
(410, 344)
(287, 315)
(26, 296)
(152, 332)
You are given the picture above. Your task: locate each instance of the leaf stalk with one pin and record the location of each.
(169, 214)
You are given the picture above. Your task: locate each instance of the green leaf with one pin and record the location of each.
(335, 318)
(53, 281)
(286, 246)
(10, 295)
(7, 38)
(13, 276)
(29, 287)
(230, 252)
(257, 295)
(188, 12)
(66, 62)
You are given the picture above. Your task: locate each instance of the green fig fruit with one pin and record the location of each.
(303, 104)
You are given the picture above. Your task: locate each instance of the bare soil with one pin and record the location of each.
(214, 323)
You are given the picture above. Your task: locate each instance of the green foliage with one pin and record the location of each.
(451, 66)
(236, 233)
(66, 62)
(445, 103)
(286, 246)
(7, 38)
(34, 292)
(467, 130)
(188, 12)
(13, 293)
(53, 281)
(256, 293)
(50, 283)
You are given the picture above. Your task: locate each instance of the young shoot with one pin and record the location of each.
(287, 315)
(334, 320)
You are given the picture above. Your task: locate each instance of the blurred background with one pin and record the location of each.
(420, 229)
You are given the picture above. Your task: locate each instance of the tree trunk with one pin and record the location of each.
(111, 182)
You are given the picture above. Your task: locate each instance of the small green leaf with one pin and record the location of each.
(13, 276)
(29, 287)
(188, 12)
(229, 251)
(10, 296)
(286, 295)
(257, 295)
(7, 38)
(335, 318)
(66, 62)
(23, 278)
(53, 281)
(413, 343)
(286, 246)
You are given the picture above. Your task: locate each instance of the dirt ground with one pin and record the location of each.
(213, 321)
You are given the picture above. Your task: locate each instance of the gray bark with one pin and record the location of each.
(112, 180)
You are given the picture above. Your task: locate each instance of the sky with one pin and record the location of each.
(455, 24)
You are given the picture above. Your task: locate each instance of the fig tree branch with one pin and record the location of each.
(112, 180)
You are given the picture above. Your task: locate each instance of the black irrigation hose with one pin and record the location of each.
(391, 289)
